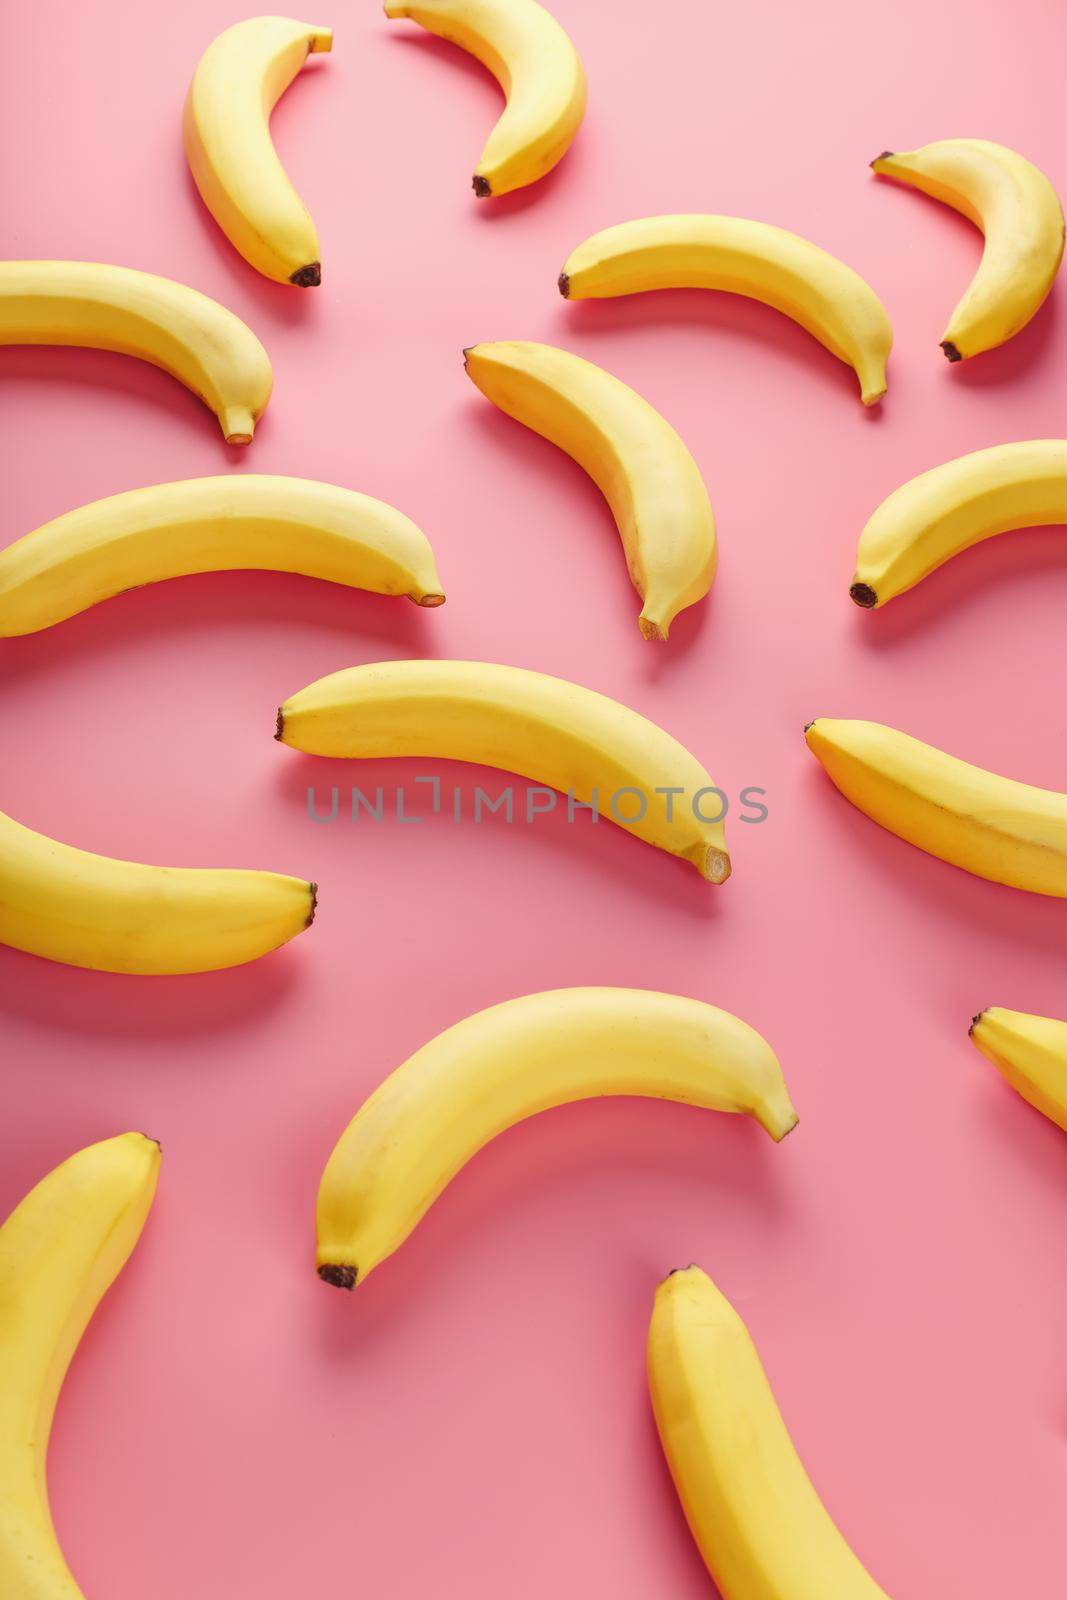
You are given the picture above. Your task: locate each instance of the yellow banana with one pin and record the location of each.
(755, 1514)
(168, 324)
(952, 507)
(592, 749)
(493, 1069)
(60, 1251)
(211, 525)
(833, 303)
(537, 67)
(118, 916)
(633, 455)
(239, 79)
(1031, 1053)
(1019, 213)
(991, 826)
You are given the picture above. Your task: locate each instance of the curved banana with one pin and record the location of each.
(755, 1514)
(135, 313)
(1019, 213)
(60, 1251)
(537, 67)
(994, 827)
(118, 916)
(1031, 1053)
(226, 126)
(925, 522)
(494, 1069)
(548, 730)
(211, 525)
(632, 454)
(780, 269)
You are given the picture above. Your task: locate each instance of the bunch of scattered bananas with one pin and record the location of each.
(753, 1511)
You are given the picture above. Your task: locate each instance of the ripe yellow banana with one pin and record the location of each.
(211, 525)
(633, 455)
(1031, 1053)
(168, 324)
(991, 826)
(1019, 213)
(240, 78)
(751, 1507)
(545, 729)
(118, 916)
(537, 67)
(431, 1115)
(833, 303)
(952, 507)
(60, 1251)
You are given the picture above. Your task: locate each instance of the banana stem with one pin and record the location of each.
(238, 424)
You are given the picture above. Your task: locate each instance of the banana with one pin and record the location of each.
(494, 1069)
(118, 916)
(633, 455)
(593, 749)
(780, 269)
(60, 1251)
(751, 1507)
(226, 125)
(134, 313)
(933, 517)
(538, 69)
(211, 525)
(1019, 213)
(1031, 1053)
(991, 826)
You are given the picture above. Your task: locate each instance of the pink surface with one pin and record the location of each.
(475, 1421)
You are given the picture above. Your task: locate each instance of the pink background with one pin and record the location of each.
(475, 1421)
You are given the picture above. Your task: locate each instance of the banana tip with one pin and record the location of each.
(238, 424)
(975, 1020)
(716, 868)
(652, 630)
(339, 1277)
(564, 282)
(864, 596)
(308, 277)
(481, 186)
(279, 724)
(951, 350)
(781, 1127)
(435, 599)
(807, 726)
(313, 891)
(677, 1272)
(156, 1142)
(886, 155)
